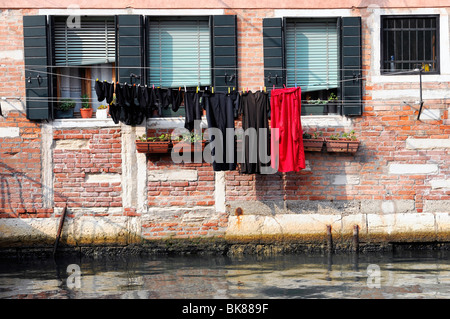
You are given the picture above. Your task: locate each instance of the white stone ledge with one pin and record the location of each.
(412, 169)
(9, 132)
(103, 178)
(72, 144)
(172, 175)
(440, 183)
(427, 143)
(83, 123)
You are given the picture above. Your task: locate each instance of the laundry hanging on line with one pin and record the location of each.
(286, 117)
(255, 108)
(134, 103)
(220, 113)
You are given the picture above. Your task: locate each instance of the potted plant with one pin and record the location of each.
(64, 108)
(345, 142)
(86, 109)
(155, 144)
(314, 107)
(194, 141)
(102, 112)
(332, 104)
(313, 142)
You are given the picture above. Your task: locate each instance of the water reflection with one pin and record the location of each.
(400, 275)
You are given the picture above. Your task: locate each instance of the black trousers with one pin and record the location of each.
(255, 108)
(220, 114)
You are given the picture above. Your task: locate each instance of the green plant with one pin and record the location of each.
(334, 137)
(314, 135)
(344, 136)
(332, 97)
(189, 137)
(161, 138)
(349, 136)
(317, 102)
(102, 107)
(318, 134)
(306, 136)
(85, 102)
(66, 104)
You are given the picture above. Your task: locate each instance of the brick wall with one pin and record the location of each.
(401, 161)
(87, 168)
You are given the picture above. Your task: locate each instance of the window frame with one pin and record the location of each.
(55, 88)
(404, 16)
(316, 111)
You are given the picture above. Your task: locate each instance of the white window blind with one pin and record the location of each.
(312, 54)
(179, 52)
(93, 43)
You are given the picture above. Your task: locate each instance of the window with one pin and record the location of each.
(409, 42)
(165, 51)
(321, 55)
(312, 61)
(179, 52)
(83, 55)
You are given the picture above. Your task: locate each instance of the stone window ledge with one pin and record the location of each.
(168, 123)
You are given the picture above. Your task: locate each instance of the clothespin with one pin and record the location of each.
(212, 89)
(153, 87)
(247, 89)
(265, 90)
(96, 79)
(274, 86)
(196, 90)
(185, 89)
(179, 88)
(295, 84)
(228, 90)
(284, 85)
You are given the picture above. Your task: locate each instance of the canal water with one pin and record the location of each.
(407, 274)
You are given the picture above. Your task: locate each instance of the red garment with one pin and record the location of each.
(285, 115)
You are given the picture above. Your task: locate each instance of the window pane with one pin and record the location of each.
(94, 42)
(179, 53)
(312, 54)
(411, 41)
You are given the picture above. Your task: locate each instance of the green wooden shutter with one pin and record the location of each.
(273, 53)
(93, 43)
(225, 72)
(351, 87)
(179, 52)
(130, 47)
(312, 54)
(35, 34)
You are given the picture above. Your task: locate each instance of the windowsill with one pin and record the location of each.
(326, 121)
(413, 78)
(176, 122)
(84, 123)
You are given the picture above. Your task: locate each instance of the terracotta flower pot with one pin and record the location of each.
(157, 147)
(342, 146)
(193, 147)
(313, 144)
(86, 113)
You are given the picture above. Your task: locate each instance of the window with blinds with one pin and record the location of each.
(312, 54)
(93, 43)
(179, 52)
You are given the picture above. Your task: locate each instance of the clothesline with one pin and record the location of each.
(90, 79)
(103, 66)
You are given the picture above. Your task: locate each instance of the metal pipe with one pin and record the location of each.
(61, 224)
(356, 238)
(329, 239)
